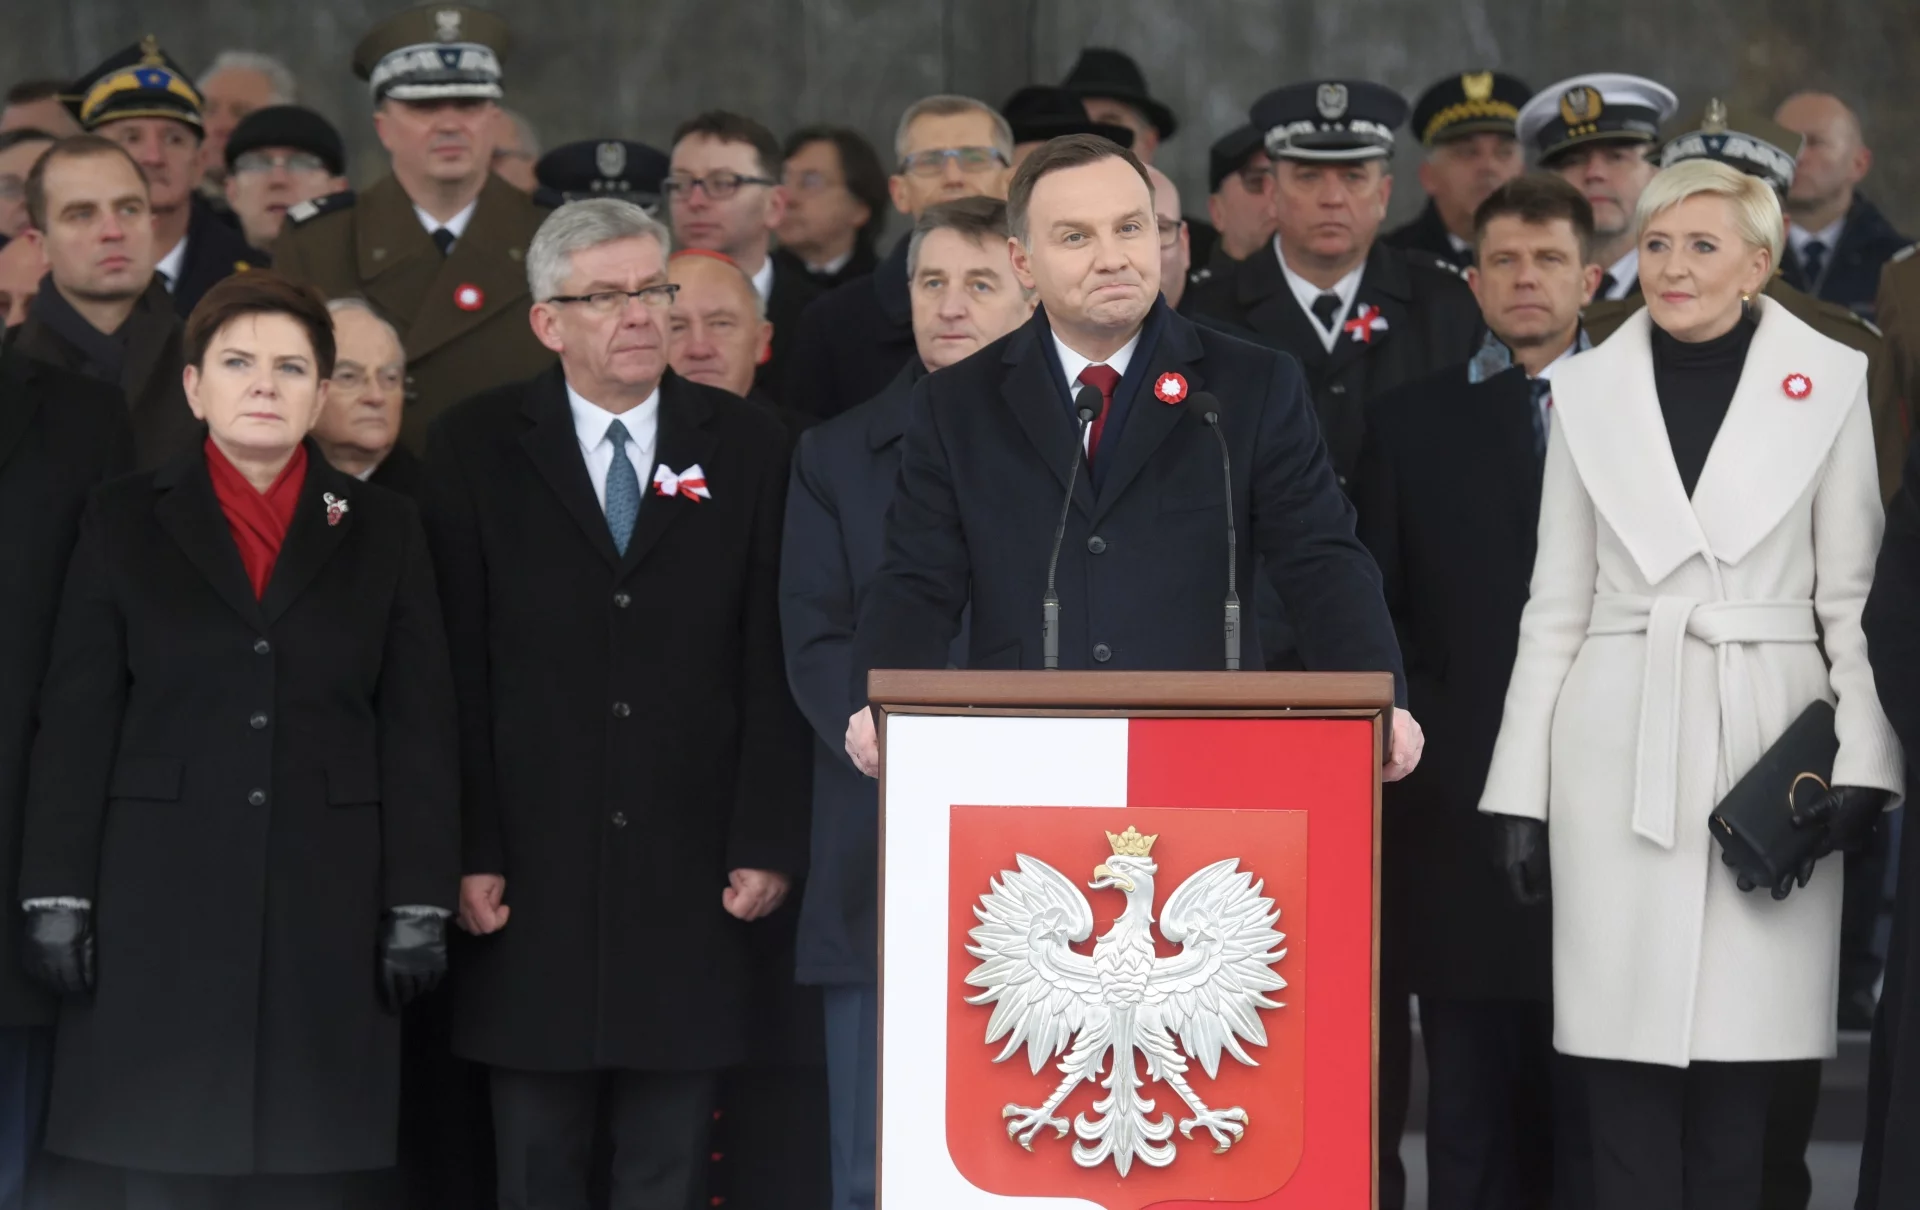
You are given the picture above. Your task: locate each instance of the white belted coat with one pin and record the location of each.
(1666, 644)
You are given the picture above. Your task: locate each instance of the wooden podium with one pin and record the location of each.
(1129, 939)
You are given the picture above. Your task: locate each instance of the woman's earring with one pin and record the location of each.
(1746, 298)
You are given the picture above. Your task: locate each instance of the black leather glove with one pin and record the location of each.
(413, 955)
(1522, 852)
(1848, 813)
(58, 949)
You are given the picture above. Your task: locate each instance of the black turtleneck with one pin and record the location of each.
(1695, 382)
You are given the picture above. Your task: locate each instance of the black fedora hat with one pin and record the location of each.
(1044, 111)
(1100, 72)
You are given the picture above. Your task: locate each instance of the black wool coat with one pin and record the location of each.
(851, 341)
(1448, 491)
(215, 251)
(242, 788)
(627, 735)
(794, 289)
(61, 435)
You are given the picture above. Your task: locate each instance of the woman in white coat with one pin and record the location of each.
(1709, 520)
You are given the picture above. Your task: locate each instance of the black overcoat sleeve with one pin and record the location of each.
(419, 741)
(1376, 500)
(1304, 530)
(818, 602)
(453, 535)
(1892, 615)
(913, 608)
(81, 704)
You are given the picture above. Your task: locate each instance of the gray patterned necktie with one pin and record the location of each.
(623, 489)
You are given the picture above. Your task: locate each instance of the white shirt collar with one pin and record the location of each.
(1073, 363)
(590, 424)
(1459, 245)
(1305, 292)
(1829, 235)
(172, 263)
(833, 266)
(763, 280)
(1626, 274)
(457, 224)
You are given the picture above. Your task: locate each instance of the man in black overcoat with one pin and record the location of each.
(1448, 491)
(61, 434)
(635, 790)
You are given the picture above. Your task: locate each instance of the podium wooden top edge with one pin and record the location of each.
(983, 688)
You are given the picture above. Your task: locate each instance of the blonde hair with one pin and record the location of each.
(1754, 205)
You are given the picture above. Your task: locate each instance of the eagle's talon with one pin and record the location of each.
(1225, 1125)
(1027, 1123)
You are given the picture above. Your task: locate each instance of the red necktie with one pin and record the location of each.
(1105, 379)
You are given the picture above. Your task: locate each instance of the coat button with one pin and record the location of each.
(621, 710)
(261, 647)
(1338, 388)
(619, 819)
(257, 798)
(259, 720)
(621, 600)
(1097, 545)
(1102, 653)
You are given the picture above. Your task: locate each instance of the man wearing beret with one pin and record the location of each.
(1466, 124)
(439, 246)
(141, 99)
(278, 157)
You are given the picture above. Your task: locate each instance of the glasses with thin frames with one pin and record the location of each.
(718, 185)
(606, 302)
(933, 162)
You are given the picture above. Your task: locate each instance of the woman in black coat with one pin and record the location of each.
(241, 842)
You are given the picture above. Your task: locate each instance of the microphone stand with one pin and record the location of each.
(1088, 404)
(1209, 409)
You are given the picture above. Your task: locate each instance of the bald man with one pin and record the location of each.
(1176, 252)
(717, 331)
(1837, 239)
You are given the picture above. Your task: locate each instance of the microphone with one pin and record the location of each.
(1207, 408)
(1088, 405)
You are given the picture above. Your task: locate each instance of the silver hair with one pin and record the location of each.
(278, 74)
(577, 226)
(353, 303)
(947, 105)
(523, 132)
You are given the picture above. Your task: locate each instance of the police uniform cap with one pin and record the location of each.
(1604, 107)
(141, 81)
(434, 52)
(619, 168)
(1230, 153)
(1040, 112)
(1330, 120)
(1756, 145)
(288, 126)
(1469, 103)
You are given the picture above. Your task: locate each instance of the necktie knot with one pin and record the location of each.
(617, 433)
(1326, 309)
(1103, 379)
(443, 240)
(1814, 254)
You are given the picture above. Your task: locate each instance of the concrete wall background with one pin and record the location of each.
(590, 68)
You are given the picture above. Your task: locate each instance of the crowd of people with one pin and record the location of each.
(435, 768)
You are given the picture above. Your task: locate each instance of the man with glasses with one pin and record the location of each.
(724, 194)
(607, 542)
(1240, 199)
(1176, 254)
(439, 247)
(854, 340)
(836, 204)
(278, 157)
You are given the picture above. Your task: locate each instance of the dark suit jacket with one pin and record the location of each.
(215, 250)
(1428, 233)
(242, 786)
(793, 290)
(861, 263)
(1141, 576)
(1431, 321)
(400, 471)
(852, 341)
(61, 435)
(1852, 273)
(627, 734)
(1448, 491)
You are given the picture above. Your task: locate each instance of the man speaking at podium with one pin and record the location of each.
(1142, 575)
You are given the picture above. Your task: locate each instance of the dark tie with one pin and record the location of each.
(1326, 309)
(1106, 378)
(1813, 257)
(166, 280)
(623, 489)
(1542, 400)
(1607, 282)
(443, 240)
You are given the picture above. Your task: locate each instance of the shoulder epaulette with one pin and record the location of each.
(315, 207)
(1904, 253)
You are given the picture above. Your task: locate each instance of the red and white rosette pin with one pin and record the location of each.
(469, 297)
(1365, 323)
(1170, 388)
(1797, 386)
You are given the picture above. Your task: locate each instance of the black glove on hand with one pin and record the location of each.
(1522, 853)
(58, 948)
(413, 955)
(1848, 813)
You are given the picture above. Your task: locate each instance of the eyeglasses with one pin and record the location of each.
(811, 181)
(1170, 231)
(719, 185)
(934, 162)
(606, 302)
(267, 161)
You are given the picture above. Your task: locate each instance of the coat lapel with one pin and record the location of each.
(18, 402)
(476, 262)
(150, 326)
(554, 446)
(190, 512)
(1384, 285)
(1273, 312)
(397, 261)
(1510, 402)
(311, 539)
(686, 438)
(1030, 391)
(1149, 420)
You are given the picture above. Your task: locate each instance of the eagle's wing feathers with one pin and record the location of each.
(1043, 992)
(1212, 991)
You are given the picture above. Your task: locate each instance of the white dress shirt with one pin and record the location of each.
(1799, 237)
(590, 424)
(763, 279)
(1626, 275)
(1073, 364)
(172, 263)
(1305, 292)
(457, 224)
(833, 266)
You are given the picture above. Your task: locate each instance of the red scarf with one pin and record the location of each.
(258, 520)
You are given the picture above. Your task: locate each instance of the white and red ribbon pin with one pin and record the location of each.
(691, 483)
(1170, 388)
(469, 297)
(1365, 323)
(1797, 386)
(336, 507)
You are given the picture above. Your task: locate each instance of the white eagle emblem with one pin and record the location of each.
(1124, 998)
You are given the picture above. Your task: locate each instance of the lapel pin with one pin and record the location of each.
(691, 483)
(1365, 323)
(469, 297)
(336, 507)
(1170, 388)
(1797, 386)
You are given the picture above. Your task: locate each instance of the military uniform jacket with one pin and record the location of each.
(1427, 319)
(376, 249)
(242, 787)
(1899, 320)
(627, 734)
(1428, 233)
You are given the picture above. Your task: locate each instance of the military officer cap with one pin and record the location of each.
(1040, 112)
(1472, 102)
(1330, 120)
(1605, 107)
(141, 81)
(1230, 152)
(434, 52)
(288, 126)
(1755, 145)
(618, 168)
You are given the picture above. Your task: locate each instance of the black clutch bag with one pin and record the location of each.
(1754, 822)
